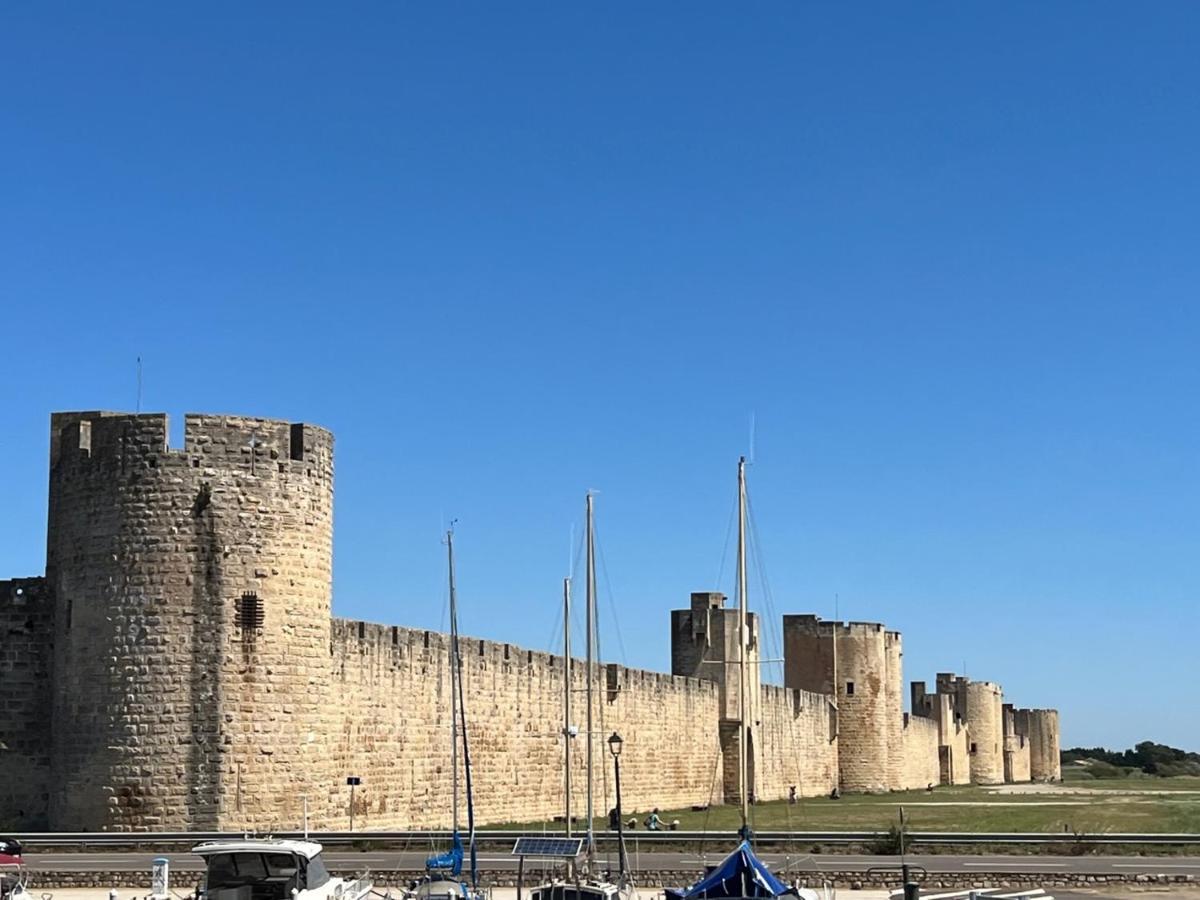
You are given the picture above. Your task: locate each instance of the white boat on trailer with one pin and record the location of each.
(272, 869)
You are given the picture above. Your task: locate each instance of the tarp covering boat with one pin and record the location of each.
(741, 874)
(452, 859)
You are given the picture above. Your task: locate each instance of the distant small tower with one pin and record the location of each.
(704, 644)
(1016, 746)
(980, 704)
(1041, 727)
(192, 620)
(953, 757)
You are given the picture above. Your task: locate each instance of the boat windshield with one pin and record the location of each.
(441, 889)
(252, 876)
(573, 892)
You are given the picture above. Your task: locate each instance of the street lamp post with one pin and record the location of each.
(354, 781)
(614, 746)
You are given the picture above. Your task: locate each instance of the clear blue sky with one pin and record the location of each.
(946, 255)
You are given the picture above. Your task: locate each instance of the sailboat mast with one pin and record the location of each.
(567, 699)
(591, 639)
(453, 680)
(743, 649)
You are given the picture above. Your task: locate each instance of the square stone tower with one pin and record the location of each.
(705, 644)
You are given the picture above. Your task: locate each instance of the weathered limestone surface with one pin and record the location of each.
(893, 722)
(705, 644)
(1016, 746)
(26, 640)
(393, 683)
(919, 739)
(1041, 725)
(981, 705)
(954, 762)
(168, 708)
(798, 744)
(178, 667)
(850, 661)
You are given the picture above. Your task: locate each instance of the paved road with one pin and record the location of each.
(658, 860)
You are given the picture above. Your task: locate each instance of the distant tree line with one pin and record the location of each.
(1148, 757)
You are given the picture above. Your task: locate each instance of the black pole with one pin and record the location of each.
(620, 823)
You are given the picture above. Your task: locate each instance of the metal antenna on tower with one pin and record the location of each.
(139, 385)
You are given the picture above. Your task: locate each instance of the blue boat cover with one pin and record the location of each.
(452, 859)
(742, 874)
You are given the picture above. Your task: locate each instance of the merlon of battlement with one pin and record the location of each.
(366, 638)
(813, 624)
(218, 441)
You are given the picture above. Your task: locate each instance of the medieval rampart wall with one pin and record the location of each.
(955, 754)
(26, 647)
(919, 742)
(182, 653)
(392, 686)
(797, 744)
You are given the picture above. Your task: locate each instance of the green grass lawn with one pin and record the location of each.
(1090, 807)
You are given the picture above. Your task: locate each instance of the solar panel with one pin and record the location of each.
(548, 847)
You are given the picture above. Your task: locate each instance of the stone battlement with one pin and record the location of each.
(400, 643)
(255, 445)
(182, 644)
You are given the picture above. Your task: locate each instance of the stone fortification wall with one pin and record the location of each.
(1041, 726)
(954, 761)
(392, 684)
(955, 754)
(192, 601)
(1016, 759)
(849, 661)
(798, 744)
(188, 673)
(26, 646)
(919, 739)
(1016, 747)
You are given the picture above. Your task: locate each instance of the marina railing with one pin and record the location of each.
(398, 839)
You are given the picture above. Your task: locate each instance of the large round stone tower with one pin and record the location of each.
(1041, 725)
(192, 621)
(851, 662)
(893, 721)
(983, 712)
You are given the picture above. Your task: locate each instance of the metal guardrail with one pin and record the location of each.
(331, 838)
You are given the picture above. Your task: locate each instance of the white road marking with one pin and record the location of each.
(1020, 865)
(1154, 866)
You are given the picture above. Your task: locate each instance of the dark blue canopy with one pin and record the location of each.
(742, 874)
(452, 859)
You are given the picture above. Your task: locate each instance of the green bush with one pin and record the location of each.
(1183, 767)
(1098, 768)
(891, 843)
